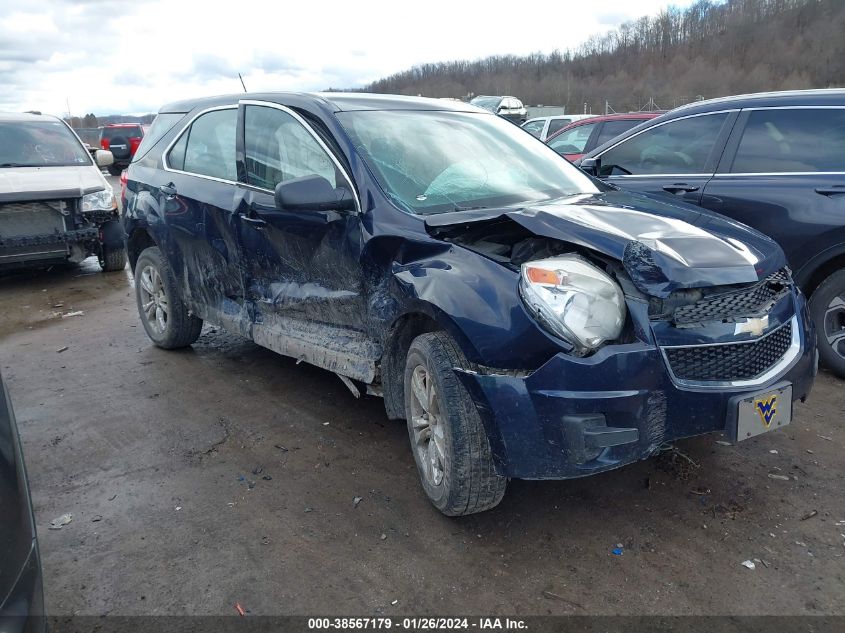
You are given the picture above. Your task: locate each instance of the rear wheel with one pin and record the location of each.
(827, 309)
(448, 440)
(166, 319)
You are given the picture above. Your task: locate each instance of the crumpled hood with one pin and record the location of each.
(19, 184)
(663, 246)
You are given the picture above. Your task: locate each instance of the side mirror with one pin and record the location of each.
(312, 193)
(501, 109)
(591, 166)
(104, 158)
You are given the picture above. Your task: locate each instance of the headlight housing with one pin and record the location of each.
(99, 201)
(574, 300)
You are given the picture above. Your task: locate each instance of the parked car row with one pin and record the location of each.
(525, 319)
(575, 140)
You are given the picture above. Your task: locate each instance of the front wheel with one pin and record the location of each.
(448, 440)
(166, 319)
(827, 309)
(112, 259)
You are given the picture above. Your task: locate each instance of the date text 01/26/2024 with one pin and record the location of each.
(416, 624)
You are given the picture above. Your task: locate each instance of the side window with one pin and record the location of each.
(516, 103)
(612, 129)
(799, 140)
(572, 141)
(534, 127)
(677, 147)
(208, 146)
(557, 124)
(278, 148)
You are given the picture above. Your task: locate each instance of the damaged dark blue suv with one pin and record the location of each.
(526, 320)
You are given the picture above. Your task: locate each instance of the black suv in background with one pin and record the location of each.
(774, 161)
(122, 140)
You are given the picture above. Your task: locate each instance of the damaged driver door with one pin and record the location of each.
(302, 270)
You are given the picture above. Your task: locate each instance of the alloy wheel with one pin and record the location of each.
(153, 299)
(427, 425)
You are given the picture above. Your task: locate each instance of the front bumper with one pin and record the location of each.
(537, 423)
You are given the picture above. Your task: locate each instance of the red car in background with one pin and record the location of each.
(122, 140)
(580, 137)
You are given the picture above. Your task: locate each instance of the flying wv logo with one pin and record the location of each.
(767, 410)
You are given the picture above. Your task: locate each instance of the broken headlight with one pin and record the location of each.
(99, 201)
(574, 300)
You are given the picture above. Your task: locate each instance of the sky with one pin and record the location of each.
(117, 57)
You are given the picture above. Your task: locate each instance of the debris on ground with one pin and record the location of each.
(774, 451)
(809, 515)
(178, 508)
(67, 315)
(553, 596)
(309, 509)
(356, 501)
(825, 437)
(383, 537)
(395, 602)
(778, 477)
(97, 518)
(267, 477)
(723, 443)
(617, 551)
(280, 447)
(240, 609)
(673, 461)
(700, 490)
(63, 348)
(258, 470)
(749, 564)
(60, 522)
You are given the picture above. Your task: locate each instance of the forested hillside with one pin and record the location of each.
(709, 49)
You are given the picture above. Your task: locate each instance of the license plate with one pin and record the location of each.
(764, 412)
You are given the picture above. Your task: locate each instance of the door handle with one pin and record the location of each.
(253, 221)
(831, 191)
(680, 187)
(169, 189)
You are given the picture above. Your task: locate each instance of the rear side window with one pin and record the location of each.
(162, 124)
(534, 127)
(557, 124)
(799, 140)
(572, 141)
(612, 129)
(207, 148)
(678, 147)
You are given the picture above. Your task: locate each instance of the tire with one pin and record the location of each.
(827, 309)
(113, 259)
(463, 479)
(154, 281)
(122, 152)
(115, 170)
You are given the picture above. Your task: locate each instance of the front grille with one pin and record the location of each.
(731, 361)
(748, 302)
(18, 219)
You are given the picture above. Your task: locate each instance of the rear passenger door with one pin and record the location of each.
(674, 158)
(783, 172)
(197, 196)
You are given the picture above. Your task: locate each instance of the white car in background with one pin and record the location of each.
(544, 126)
(55, 204)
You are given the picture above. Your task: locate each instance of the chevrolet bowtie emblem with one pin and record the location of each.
(754, 326)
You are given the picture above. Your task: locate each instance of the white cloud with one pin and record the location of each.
(109, 56)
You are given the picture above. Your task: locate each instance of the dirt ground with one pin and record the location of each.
(225, 473)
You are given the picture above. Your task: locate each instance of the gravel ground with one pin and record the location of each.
(225, 473)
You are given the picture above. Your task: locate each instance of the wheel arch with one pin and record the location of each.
(814, 272)
(136, 242)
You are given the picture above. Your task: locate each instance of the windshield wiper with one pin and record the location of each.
(16, 165)
(469, 208)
